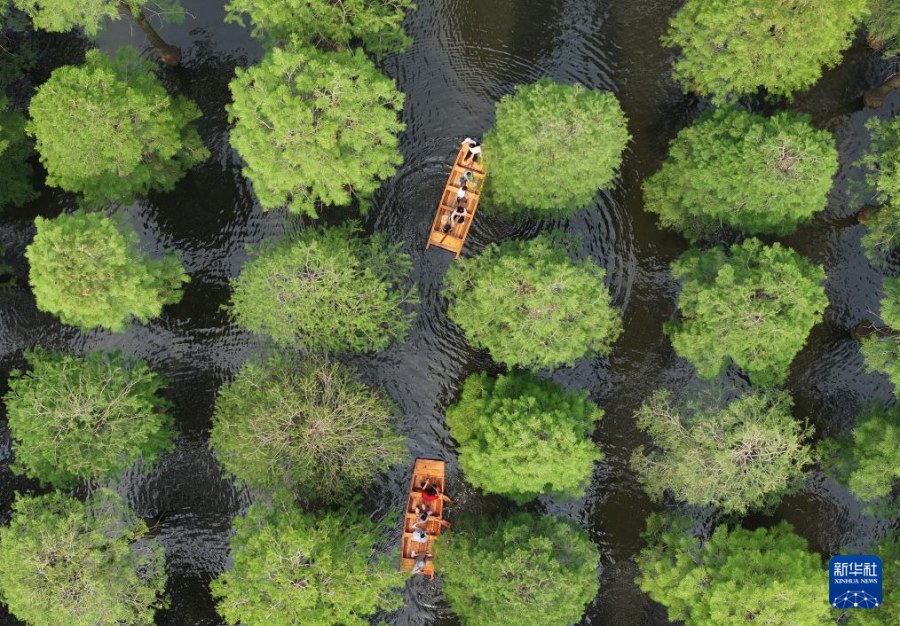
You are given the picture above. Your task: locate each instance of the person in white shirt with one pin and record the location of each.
(474, 151)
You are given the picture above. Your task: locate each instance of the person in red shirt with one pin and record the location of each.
(430, 493)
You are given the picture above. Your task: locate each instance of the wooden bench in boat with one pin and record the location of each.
(455, 238)
(432, 470)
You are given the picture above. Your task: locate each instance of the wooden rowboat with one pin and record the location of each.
(431, 470)
(456, 237)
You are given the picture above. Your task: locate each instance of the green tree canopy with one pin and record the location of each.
(88, 270)
(326, 289)
(315, 128)
(529, 304)
(80, 563)
(108, 129)
(881, 350)
(881, 164)
(526, 570)
(552, 147)
(739, 457)
(888, 614)
(884, 25)
(377, 24)
(743, 170)
(307, 425)
(763, 576)
(292, 567)
(732, 48)
(15, 148)
(74, 418)
(752, 304)
(867, 460)
(524, 437)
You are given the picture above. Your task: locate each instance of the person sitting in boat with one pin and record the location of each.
(465, 179)
(474, 151)
(419, 534)
(423, 514)
(421, 560)
(457, 217)
(431, 492)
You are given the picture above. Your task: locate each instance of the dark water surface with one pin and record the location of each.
(466, 55)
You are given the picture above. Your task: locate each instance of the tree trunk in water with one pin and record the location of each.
(867, 212)
(874, 98)
(866, 329)
(171, 55)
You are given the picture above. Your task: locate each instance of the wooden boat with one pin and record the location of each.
(433, 471)
(455, 238)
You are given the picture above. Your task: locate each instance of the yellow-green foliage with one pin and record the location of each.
(732, 48)
(763, 576)
(530, 305)
(552, 147)
(59, 16)
(752, 304)
(377, 24)
(305, 425)
(888, 614)
(882, 349)
(743, 170)
(315, 128)
(327, 290)
(88, 270)
(66, 562)
(108, 129)
(290, 567)
(79, 418)
(741, 456)
(524, 437)
(884, 25)
(526, 570)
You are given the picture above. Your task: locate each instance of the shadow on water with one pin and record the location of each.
(463, 59)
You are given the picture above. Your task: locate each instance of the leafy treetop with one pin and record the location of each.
(882, 160)
(526, 570)
(326, 290)
(733, 48)
(752, 304)
(108, 129)
(888, 614)
(88, 270)
(743, 170)
(884, 25)
(881, 350)
(329, 25)
(867, 460)
(292, 567)
(80, 563)
(59, 16)
(530, 305)
(739, 457)
(75, 418)
(15, 149)
(315, 128)
(308, 426)
(763, 576)
(523, 437)
(552, 147)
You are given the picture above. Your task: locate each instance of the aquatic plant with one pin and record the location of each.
(734, 48)
(88, 270)
(743, 170)
(530, 305)
(306, 425)
(108, 130)
(552, 147)
(89, 563)
(742, 456)
(523, 437)
(327, 290)
(315, 128)
(525, 569)
(736, 576)
(752, 304)
(79, 418)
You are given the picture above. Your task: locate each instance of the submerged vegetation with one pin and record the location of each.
(523, 437)
(552, 147)
(530, 305)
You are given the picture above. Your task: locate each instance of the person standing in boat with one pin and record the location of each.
(474, 151)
